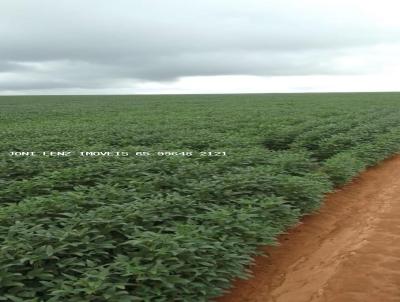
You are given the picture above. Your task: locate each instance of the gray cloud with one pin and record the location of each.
(97, 43)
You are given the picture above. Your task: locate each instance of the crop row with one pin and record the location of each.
(169, 228)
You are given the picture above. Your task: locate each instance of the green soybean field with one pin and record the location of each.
(169, 198)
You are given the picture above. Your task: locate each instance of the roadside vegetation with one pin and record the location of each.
(162, 226)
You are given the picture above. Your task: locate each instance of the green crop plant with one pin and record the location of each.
(159, 224)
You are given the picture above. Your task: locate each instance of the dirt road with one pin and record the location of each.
(349, 251)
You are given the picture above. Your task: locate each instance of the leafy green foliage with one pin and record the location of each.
(169, 228)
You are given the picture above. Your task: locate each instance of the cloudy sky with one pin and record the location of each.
(208, 46)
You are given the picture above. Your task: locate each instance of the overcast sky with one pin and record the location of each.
(207, 46)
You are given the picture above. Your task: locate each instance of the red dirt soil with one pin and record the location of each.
(347, 252)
